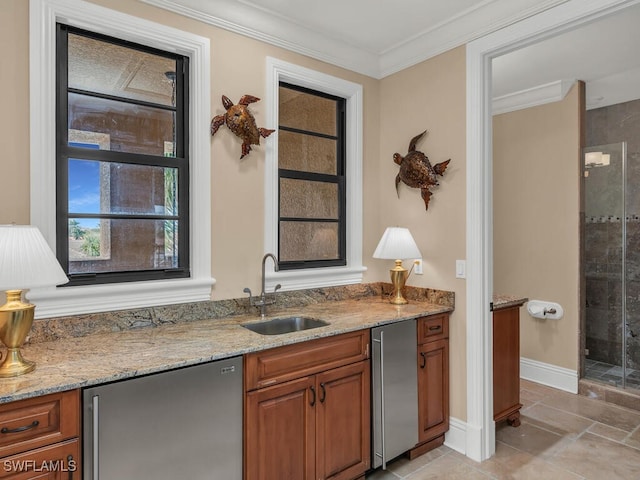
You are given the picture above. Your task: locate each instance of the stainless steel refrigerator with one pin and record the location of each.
(395, 390)
(184, 423)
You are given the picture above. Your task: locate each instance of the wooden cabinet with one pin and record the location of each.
(433, 382)
(310, 422)
(506, 365)
(39, 438)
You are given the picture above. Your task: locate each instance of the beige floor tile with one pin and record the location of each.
(596, 410)
(606, 431)
(596, 458)
(532, 439)
(453, 466)
(634, 439)
(557, 421)
(382, 475)
(403, 467)
(533, 468)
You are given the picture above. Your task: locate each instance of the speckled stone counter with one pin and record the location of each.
(79, 361)
(506, 301)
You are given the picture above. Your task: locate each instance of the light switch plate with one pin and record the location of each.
(461, 269)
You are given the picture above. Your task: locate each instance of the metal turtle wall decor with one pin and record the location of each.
(241, 122)
(417, 172)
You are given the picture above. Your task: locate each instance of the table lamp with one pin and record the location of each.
(397, 244)
(26, 261)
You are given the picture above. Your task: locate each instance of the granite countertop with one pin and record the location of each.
(70, 363)
(506, 301)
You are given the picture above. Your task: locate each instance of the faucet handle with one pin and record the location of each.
(247, 290)
(276, 288)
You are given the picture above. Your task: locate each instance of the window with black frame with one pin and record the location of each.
(122, 167)
(311, 176)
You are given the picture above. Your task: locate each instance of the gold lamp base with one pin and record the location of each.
(16, 318)
(399, 276)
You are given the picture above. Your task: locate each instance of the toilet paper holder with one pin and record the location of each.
(544, 309)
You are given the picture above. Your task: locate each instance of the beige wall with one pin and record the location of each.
(536, 179)
(429, 96)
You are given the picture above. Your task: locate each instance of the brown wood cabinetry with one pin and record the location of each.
(433, 382)
(39, 438)
(310, 422)
(506, 365)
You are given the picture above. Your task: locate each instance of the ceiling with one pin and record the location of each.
(379, 37)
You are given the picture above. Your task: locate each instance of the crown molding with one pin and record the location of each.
(280, 32)
(484, 18)
(532, 97)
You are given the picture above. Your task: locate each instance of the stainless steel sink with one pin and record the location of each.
(278, 326)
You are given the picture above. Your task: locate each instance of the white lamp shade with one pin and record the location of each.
(397, 244)
(26, 261)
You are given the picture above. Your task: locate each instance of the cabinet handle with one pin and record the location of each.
(323, 393)
(433, 328)
(383, 447)
(24, 428)
(71, 466)
(424, 359)
(313, 401)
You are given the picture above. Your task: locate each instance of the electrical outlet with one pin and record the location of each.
(417, 268)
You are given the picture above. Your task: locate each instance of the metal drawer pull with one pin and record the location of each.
(323, 394)
(435, 327)
(313, 401)
(34, 424)
(424, 359)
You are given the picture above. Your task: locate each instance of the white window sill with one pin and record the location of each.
(63, 301)
(313, 278)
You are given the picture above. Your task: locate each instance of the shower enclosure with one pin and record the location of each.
(611, 266)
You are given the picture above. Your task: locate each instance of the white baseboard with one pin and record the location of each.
(550, 375)
(456, 437)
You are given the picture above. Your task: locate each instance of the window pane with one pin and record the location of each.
(297, 151)
(120, 126)
(120, 188)
(308, 199)
(301, 241)
(97, 246)
(102, 67)
(307, 112)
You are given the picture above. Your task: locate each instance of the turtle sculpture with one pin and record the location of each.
(241, 122)
(417, 172)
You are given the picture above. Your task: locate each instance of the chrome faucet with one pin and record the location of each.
(265, 299)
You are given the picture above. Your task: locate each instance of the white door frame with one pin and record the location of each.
(480, 431)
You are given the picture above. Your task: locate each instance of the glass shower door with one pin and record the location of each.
(604, 257)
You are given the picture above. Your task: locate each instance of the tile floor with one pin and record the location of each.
(610, 374)
(562, 436)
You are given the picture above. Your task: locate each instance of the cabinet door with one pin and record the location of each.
(280, 431)
(60, 461)
(343, 422)
(433, 389)
(506, 362)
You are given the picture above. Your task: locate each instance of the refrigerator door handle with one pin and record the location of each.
(382, 455)
(95, 403)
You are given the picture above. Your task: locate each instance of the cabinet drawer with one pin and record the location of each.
(294, 361)
(35, 422)
(433, 328)
(55, 462)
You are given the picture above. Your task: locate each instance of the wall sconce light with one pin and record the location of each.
(26, 261)
(397, 244)
(596, 159)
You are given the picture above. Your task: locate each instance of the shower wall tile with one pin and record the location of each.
(597, 296)
(607, 125)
